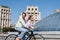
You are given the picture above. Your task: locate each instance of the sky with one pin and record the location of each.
(46, 7)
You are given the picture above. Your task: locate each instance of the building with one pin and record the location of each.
(50, 23)
(58, 10)
(33, 10)
(4, 16)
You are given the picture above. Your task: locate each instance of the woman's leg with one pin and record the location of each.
(31, 34)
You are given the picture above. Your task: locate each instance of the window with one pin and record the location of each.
(35, 20)
(28, 8)
(1, 15)
(4, 16)
(1, 19)
(32, 13)
(6, 19)
(32, 9)
(35, 8)
(28, 13)
(35, 13)
(1, 9)
(32, 20)
(35, 17)
(4, 9)
(2, 12)
(9, 10)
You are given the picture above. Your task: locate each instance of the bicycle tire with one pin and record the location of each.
(33, 37)
(11, 37)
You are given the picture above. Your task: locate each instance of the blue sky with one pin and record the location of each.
(46, 7)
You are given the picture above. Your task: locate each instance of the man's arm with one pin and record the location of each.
(23, 23)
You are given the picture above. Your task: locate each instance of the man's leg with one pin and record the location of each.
(18, 38)
(22, 34)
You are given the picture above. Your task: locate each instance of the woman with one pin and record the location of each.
(29, 23)
(30, 26)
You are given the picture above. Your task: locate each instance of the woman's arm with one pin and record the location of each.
(29, 24)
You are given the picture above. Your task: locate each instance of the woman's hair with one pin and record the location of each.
(24, 13)
(29, 17)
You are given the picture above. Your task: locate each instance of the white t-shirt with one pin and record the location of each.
(20, 23)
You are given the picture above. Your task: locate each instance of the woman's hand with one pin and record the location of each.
(31, 28)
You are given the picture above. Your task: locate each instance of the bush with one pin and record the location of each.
(6, 29)
(12, 29)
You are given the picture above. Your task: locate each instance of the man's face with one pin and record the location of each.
(23, 15)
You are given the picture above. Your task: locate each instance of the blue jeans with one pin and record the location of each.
(23, 32)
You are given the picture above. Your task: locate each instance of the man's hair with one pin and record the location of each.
(24, 13)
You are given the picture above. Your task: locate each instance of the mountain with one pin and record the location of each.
(50, 23)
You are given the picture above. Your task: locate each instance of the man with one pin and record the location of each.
(19, 26)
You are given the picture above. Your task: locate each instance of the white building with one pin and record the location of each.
(4, 16)
(58, 10)
(33, 10)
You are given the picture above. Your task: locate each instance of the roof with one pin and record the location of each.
(50, 23)
(4, 6)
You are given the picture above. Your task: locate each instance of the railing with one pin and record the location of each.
(48, 37)
(39, 36)
(52, 35)
(2, 37)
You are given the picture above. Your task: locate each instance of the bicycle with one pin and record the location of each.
(14, 36)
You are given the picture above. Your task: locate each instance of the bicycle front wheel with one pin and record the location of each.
(11, 37)
(31, 38)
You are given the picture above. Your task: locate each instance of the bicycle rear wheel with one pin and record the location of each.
(11, 37)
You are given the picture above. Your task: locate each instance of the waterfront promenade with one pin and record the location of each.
(47, 35)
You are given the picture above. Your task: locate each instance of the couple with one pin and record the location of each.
(21, 26)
